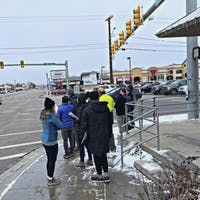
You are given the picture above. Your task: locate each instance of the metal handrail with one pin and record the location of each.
(140, 114)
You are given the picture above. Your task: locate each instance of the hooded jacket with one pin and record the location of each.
(50, 125)
(63, 114)
(95, 121)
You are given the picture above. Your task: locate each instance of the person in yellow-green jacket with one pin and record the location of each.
(110, 104)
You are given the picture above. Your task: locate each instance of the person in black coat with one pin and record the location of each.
(95, 121)
(120, 110)
(82, 97)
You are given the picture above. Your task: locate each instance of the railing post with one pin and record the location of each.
(158, 131)
(122, 158)
(154, 105)
(140, 120)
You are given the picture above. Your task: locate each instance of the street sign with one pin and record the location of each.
(49, 64)
(58, 74)
(196, 52)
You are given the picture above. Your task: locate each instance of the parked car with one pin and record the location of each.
(157, 89)
(148, 86)
(107, 88)
(183, 90)
(58, 91)
(173, 87)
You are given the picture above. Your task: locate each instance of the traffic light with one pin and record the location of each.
(137, 17)
(1, 65)
(116, 44)
(129, 30)
(113, 49)
(22, 63)
(121, 38)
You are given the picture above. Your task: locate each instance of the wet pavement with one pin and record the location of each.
(75, 183)
(27, 180)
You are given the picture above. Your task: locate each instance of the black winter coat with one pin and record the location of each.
(120, 105)
(95, 121)
(81, 108)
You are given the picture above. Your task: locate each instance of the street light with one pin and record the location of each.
(129, 59)
(102, 73)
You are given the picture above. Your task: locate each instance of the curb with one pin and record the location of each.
(10, 176)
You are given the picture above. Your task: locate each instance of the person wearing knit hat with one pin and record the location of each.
(50, 126)
(82, 97)
(49, 103)
(94, 122)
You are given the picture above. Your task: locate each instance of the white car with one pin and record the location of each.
(183, 90)
(107, 88)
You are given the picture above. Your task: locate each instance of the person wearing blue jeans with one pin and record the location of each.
(66, 116)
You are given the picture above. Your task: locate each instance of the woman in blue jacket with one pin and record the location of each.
(50, 125)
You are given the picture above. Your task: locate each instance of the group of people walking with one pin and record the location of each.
(85, 121)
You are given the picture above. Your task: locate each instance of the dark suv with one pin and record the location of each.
(173, 87)
(148, 86)
(157, 89)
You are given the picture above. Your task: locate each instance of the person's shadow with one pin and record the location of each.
(52, 193)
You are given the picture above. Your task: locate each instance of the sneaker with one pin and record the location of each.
(80, 164)
(106, 177)
(97, 178)
(66, 156)
(71, 154)
(89, 162)
(53, 182)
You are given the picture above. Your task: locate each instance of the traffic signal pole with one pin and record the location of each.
(154, 6)
(192, 69)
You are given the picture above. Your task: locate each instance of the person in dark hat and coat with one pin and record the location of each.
(82, 97)
(94, 120)
(50, 125)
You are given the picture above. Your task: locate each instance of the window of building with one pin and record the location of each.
(179, 71)
(161, 76)
(170, 71)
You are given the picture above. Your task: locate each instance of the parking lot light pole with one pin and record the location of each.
(129, 59)
(102, 73)
(67, 76)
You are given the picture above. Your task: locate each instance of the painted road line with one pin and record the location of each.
(13, 156)
(21, 133)
(19, 145)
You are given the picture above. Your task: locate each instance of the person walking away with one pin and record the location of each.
(120, 111)
(50, 125)
(110, 104)
(131, 107)
(66, 116)
(82, 97)
(73, 102)
(95, 121)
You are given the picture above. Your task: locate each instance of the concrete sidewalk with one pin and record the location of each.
(27, 180)
(31, 183)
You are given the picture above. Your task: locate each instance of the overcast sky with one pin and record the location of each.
(54, 31)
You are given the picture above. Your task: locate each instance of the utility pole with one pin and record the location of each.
(192, 69)
(129, 59)
(67, 76)
(109, 44)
